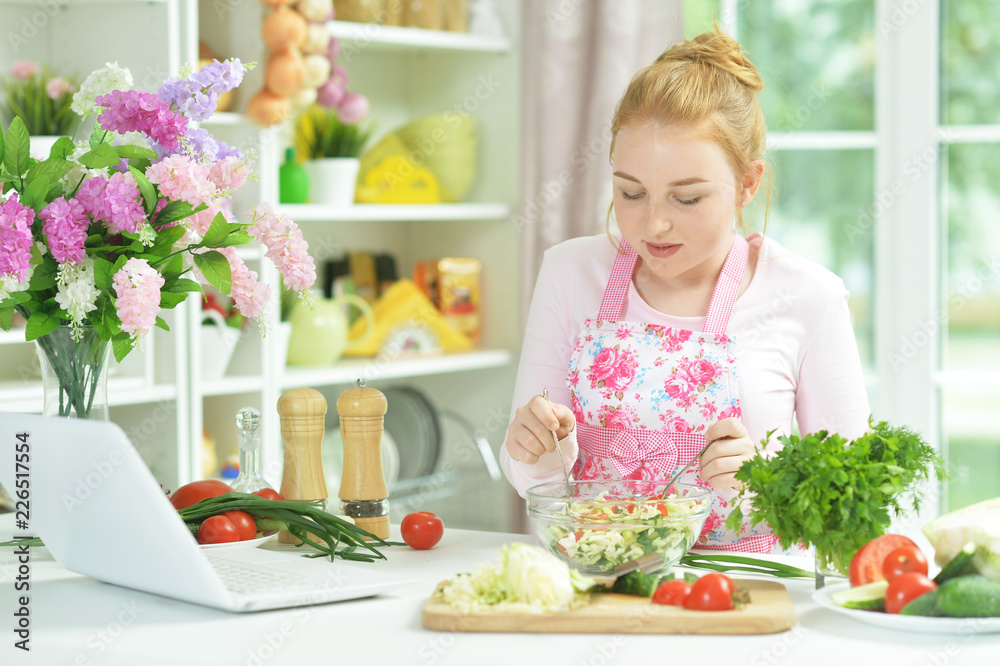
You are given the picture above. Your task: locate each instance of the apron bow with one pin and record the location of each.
(651, 451)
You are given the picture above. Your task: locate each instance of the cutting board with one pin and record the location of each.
(770, 611)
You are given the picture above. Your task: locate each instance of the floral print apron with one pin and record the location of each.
(644, 394)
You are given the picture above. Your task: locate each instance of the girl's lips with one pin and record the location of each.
(662, 251)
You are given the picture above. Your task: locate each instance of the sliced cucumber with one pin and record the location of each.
(863, 597)
(959, 565)
(926, 604)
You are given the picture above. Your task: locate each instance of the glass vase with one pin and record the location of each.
(74, 373)
(827, 572)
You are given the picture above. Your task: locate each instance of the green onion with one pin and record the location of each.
(745, 564)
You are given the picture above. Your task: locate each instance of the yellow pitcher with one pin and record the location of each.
(320, 335)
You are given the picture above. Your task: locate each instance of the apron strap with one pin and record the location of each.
(723, 298)
(728, 286)
(613, 303)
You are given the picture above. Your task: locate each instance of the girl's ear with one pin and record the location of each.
(751, 182)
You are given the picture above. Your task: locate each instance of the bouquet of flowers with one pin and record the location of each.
(41, 100)
(100, 237)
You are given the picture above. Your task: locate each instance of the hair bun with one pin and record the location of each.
(718, 50)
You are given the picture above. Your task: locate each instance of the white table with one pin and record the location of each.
(77, 620)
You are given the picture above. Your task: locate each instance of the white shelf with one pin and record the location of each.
(226, 118)
(395, 212)
(374, 369)
(13, 337)
(373, 37)
(27, 396)
(232, 385)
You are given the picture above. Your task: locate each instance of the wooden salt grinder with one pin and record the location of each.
(303, 420)
(363, 493)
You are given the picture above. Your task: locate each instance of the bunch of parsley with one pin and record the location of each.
(833, 494)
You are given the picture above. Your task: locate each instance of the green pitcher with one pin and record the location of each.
(320, 335)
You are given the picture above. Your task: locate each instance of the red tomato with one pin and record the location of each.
(905, 588)
(713, 591)
(244, 523)
(268, 493)
(866, 565)
(903, 560)
(218, 529)
(672, 593)
(196, 491)
(421, 530)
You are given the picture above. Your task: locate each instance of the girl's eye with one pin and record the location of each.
(630, 197)
(689, 202)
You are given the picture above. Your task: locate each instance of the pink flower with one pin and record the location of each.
(15, 238)
(619, 418)
(622, 375)
(181, 178)
(702, 372)
(141, 111)
(22, 70)
(730, 412)
(673, 337)
(678, 424)
(65, 226)
(603, 365)
(577, 408)
(57, 87)
(91, 197)
(331, 93)
(285, 246)
(200, 222)
(588, 467)
(677, 387)
(138, 287)
(249, 295)
(228, 174)
(123, 204)
(353, 108)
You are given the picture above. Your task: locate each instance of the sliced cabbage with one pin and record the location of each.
(979, 523)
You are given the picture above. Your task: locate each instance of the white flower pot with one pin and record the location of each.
(218, 342)
(41, 145)
(332, 180)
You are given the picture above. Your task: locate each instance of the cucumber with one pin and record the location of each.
(926, 604)
(959, 565)
(970, 596)
(863, 597)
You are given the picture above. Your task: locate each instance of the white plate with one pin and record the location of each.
(250, 543)
(916, 623)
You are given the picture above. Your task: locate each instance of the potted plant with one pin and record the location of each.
(42, 101)
(330, 140)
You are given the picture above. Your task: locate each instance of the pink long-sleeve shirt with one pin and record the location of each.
(795, 347)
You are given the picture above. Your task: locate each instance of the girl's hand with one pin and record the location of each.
(530, 433)
(730, 447)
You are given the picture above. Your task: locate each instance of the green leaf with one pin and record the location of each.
(99, 136)
(104, 271)
(101, 157)
(16, 153)
(44, 275)
(129, 151)
(165, 239)
(122, 344)
(146, 187)
(3, 147)
(176, 210)
(39, 324)
(35, 193)
(239, 236)
(162, 324)
(217, 232)
(6, 318)
(182, 284)
(62, 148)
(171, 299)
(215, 267)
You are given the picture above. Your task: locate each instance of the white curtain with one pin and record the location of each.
(578, 59)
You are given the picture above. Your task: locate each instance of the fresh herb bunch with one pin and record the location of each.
(40, 99)
(319, 133)
(837, 496)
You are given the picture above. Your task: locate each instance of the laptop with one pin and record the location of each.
(100, 512)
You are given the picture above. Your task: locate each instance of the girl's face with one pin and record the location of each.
(675, 196)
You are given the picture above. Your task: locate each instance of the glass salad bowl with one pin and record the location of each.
(606, 524)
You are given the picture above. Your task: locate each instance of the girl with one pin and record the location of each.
(682, 332)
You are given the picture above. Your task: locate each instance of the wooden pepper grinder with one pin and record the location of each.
(363, 494)
(303, 418)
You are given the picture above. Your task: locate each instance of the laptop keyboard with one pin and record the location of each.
(249, 579)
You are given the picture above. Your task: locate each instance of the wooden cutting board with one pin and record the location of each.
(770, 611)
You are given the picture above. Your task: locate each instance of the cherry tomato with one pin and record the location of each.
(904, 560)
(712, 591)
(866, 565)
(905, 588)
(672, 593)
(244, 523)
(218, 529)
(268, 493)
(421, 530)
(196, 491)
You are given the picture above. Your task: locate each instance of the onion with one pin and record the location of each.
(284, 28)
(266, 109)
(285, 72)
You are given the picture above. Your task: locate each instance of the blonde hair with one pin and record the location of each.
(709, 83)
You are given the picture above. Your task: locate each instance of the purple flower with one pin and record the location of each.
(140, 111)
(202, 146)
(353, 108)
(15, 238)
(64, 224)
(196, 96)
